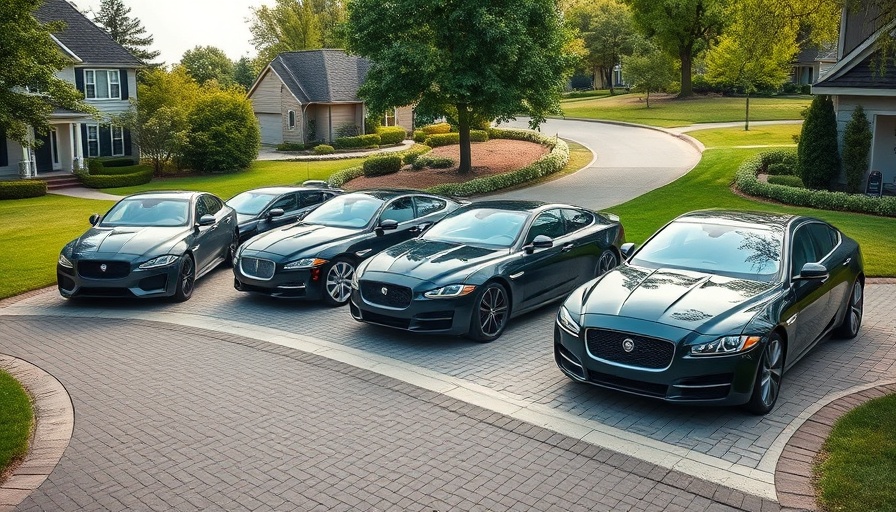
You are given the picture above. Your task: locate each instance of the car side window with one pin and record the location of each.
(825, 238)
(287, 203)
(549, 223)
(399, 210)
(429, 205)
(312, 198)
(201, 208)
(212, 204)
(576, 219)
(803, 251)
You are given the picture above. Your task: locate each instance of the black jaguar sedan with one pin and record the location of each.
(264, 209)
(713, 309)
(483, 264)
(154, 244)
(316, 258)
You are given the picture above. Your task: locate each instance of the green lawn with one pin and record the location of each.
(769, 135)
(859, 460)
(259, 174)
(16, 418)
(668, 112)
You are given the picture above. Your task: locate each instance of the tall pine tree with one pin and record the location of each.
(115, 17)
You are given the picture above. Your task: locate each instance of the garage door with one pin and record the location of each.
(271, 128)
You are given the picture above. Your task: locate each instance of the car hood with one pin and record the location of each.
(430, 260)
(129, 240)
(300, 238)
(696, 301)
(242, 218)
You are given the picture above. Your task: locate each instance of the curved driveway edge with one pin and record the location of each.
(54, 420)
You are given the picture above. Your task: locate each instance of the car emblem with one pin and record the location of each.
(384, 290)
(103, 267)
(628, 344)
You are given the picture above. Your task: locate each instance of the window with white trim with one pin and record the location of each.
(102, 84)
(389, 118)
(117, 140)
(93, 140)
(291, 119)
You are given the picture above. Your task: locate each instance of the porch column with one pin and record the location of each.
(72, 153)
(26, 166)
(78, 149)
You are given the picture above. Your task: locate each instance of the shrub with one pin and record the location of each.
(381, 165)
(437, 128)
(856, 148)
(94, 165)
(118, 161)
(435, 162)
(419, 136)
(357, 142)
(787, 181)
(290, 146)
(348, 130)
(817, 156)
(478, 136)
(141, 175)
(340, 178)
(118, 171)
(391, 134)
(781, 169)
(408, 156)
(323, 149)
(223, 135)
(22, 189)
(442, 139)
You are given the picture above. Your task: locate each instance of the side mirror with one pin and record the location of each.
(540, 242)
(275, 212)
(386, 225)
(206, 220)
(813, 271)
(627, 250)
(94, 219)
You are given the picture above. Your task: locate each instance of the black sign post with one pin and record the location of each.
(874, 187)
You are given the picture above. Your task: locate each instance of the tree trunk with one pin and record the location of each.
(463, 127)
(747, 118)
(648, 98)
(687, 87)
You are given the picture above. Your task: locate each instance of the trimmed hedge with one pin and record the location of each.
(118, 171)
(22, 189)
(437, 128)
(548, 164)
(409, 156)
(141, 176)
(340, 178)
(478, 136)
(745, 181)
(434, 162)
(323, 149)
(381, 165)
(390, 135)
(442, 139)
(118, 161)
(94, 166)
(290, 146)
(786, 180)
(419, 136)
(357, 142)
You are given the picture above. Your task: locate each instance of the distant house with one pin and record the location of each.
(312, 95)
(811, 63)
(100, 68)
(854, 80)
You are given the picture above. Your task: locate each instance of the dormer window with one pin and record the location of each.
(102, 84)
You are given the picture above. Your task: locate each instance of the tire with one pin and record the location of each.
(338, 282)
(186, 279)
(606, 263)
(855, 309)
(231, 249)
(490, 313)
(767, 386)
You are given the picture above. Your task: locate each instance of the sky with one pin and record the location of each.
(179, 25)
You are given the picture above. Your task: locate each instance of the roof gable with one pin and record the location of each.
(81, 37)
(321, 76)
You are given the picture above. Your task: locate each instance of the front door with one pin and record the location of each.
(43, 152)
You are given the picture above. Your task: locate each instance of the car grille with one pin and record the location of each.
(398, 297)
(650, 353)
(104, 269)
(257, 268)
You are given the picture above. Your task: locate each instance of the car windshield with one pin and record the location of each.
(479, 226)
(348, 211)
(144, 211)
(735, 251)
(250, 203)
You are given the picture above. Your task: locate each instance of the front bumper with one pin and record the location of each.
(156, 282)
(441, 316)
(294, 284)
(710, 380)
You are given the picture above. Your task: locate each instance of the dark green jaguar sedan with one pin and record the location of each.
(713, 308)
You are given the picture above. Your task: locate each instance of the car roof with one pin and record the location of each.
(388, 193)
(734, 217)
(166, 194)
(513, 204)
(284, 189)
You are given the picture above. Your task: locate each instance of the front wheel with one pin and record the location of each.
(606, 263)
(186, 280)
(490, 313)
(338, 282)
(768, 377)
(231, 249)
(855, 308)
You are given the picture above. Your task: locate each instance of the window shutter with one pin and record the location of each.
(84, 149)
(127, 142)
(4, 156)
(123, 84)
(105, 135)
(79, 79)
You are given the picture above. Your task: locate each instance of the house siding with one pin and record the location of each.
(404, 117)
(267, 96)
(289, 102)
(881, 113)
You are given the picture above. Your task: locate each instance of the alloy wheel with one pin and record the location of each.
(187, 276)
(339, 281)
(771, 372)
(606, 263)
(856, 308)
(492, 311)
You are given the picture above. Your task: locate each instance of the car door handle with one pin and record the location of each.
(845, 263)
(567, 247)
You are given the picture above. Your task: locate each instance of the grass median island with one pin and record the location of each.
(764, 135)
(858, 460)
(16, 418)
(666, 111)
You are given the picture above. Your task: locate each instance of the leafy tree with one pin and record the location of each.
(488, 60)
(330, 20)
(115, 17)
(608, 33)
(818, 161)
(29, 60)
(856, 148)
(223, 134)
(289, 25)
(648, 70)
(205, 63)
(683, 28)
(244, 72)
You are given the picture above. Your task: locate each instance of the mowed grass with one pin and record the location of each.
(768, 135)
(16, 417)
(709, 186)
(666, 111)
(859, 460)
(33, 231)
(259, 174)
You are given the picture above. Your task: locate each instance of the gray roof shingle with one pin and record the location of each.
(865, 74)
(90, 43)
(322, 76)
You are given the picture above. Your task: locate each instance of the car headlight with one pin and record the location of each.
(304, 263)
(725, 345)
(64, 262)
(566, 322)
(450, 291)
(161, 261)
